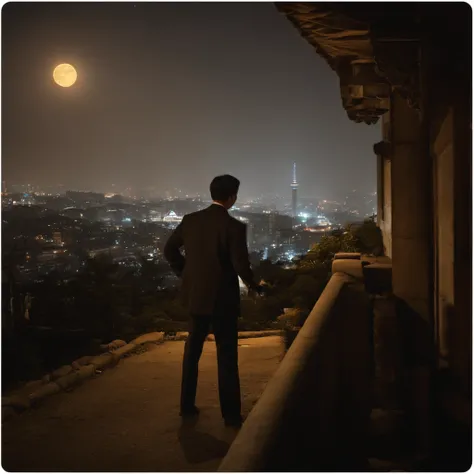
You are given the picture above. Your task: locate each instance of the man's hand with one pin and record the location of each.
(257, 291)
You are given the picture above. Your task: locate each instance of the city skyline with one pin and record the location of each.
(175, 193)
(173, 111)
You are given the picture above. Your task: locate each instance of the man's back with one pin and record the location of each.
(215, 254)
(215, 246)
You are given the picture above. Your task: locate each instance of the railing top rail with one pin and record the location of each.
(250, 446)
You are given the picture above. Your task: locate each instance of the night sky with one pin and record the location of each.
(171, 94)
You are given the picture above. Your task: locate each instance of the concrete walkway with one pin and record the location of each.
(127, 418)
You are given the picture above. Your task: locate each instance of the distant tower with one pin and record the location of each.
(294, 193)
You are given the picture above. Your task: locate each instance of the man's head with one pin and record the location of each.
(224, 190)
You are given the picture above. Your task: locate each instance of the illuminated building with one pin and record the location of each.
(172, 219)
(73, 212)
(57, 238)
(27, 200)
(155, 216)
(272, 226)
(83, 198)
(113, 251)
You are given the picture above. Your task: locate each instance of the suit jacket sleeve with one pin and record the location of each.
(172, 251)
(240, 256)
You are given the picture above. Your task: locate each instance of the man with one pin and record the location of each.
(216, 254)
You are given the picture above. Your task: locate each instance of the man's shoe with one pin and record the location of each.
(189, 412)
(233, 421)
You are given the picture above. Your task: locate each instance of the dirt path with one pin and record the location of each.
(127, 418)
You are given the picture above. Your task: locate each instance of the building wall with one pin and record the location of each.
(451, 142)
(461, 358)
(410, 210)
(386, 224)
(443, 180)
(384, 207)
(447, 85)
(430, 204)
(384, 190)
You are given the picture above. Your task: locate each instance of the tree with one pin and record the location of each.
(273, 274)
(305, 291)
(151, 274)
(324, 251)
(369, 238)
(175, 309)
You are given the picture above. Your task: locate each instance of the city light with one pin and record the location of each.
(272, 232)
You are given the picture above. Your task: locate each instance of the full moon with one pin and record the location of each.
(64, 75)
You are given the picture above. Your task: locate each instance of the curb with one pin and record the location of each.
(255, 334)
(150, 337)
(182, 336)
(69, 376)
(124, 350)
(45, 391)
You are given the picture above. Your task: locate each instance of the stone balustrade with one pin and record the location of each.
(314, 413)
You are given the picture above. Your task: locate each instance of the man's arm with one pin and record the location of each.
(239, 255)
(172, 251)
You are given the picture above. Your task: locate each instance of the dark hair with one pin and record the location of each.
(223, 187)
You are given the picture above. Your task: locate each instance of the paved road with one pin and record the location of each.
(127, 418)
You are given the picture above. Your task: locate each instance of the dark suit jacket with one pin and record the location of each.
(215, 246)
